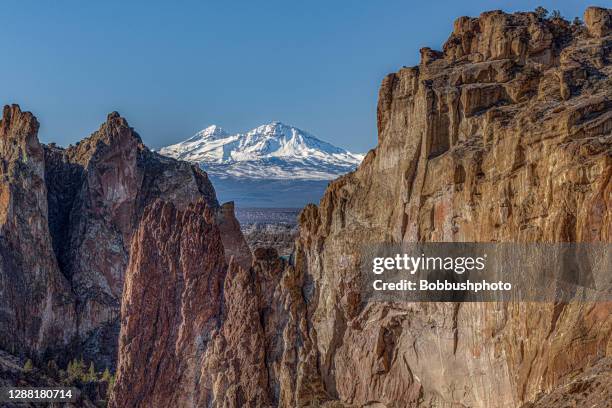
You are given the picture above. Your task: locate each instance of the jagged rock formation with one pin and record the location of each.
(114, 176)
(191, 332)
(171, 305)
(504, 136)
(235, 245)
(199, 328)
(35, 297)
(76, 209)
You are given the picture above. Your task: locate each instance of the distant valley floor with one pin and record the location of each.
(265, 193)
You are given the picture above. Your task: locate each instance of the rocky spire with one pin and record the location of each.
(35, 297)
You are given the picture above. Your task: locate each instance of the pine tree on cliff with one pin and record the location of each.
(106, 376)
(556, 14)
(541, 12)
(28, 366)
(75, 369)
(91, 373)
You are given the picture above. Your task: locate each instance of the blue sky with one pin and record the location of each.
(174, 67)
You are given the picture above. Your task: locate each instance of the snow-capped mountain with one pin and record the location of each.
(274, 151)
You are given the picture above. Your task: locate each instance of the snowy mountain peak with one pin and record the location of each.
(274, 150)
(274, 127)
(211, 132)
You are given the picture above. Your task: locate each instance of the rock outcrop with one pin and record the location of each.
(200, 328)
(36, 302)
(591, 388)
(76, 210)
(98, 191)
(172, 306)
(505, 136)
(598, 21)
(190, 333)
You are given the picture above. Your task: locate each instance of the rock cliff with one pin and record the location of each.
(172, 304)
(76, 209)
(199, 327)
(191, 333)
(98, 191)
(504, 136)
(35, 297)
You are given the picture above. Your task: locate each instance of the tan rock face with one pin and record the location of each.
(233, 241)
(119, 177)
(592, 388)
(507, 138)
(599, 21)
